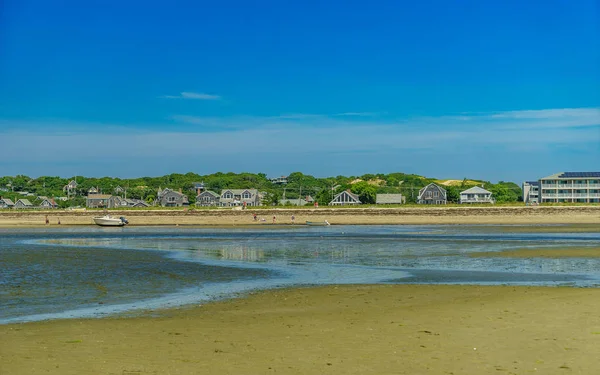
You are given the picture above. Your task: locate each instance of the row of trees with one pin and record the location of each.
(299, 185)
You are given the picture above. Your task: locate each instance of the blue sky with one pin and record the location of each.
(506, 90)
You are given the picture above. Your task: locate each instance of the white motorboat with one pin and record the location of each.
(109, 221)
(318, 223)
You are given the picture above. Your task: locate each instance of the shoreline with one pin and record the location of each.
(336, 216)
(350, 329)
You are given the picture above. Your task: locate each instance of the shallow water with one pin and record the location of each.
(50, 273)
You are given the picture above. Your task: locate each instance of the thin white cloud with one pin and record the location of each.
(551, 113)
(359, 114)
(320, 136)
(193, 95)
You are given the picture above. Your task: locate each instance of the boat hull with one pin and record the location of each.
(109, 221)
(317, 223)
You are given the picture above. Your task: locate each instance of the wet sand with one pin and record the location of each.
(385, 329)
(405, 215)
(569, 252)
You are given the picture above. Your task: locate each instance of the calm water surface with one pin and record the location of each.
(52, 273)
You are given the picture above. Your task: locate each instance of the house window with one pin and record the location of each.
(436, 194)
(171, 199)
(246, 196)
(428, 194)
(228, 196)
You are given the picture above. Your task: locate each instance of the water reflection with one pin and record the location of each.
(86, 272)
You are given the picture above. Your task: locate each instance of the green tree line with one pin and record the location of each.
(299, 185)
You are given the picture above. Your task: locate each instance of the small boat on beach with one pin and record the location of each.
(109, 221)
(318, 223)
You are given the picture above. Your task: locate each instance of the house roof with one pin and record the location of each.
(99, 196)
(210, 192)
(7, 201)
(354, 196)
(239, 191)
(389, 198)
(434, 185)
(571, 175)
(476, 190)
(26, 202)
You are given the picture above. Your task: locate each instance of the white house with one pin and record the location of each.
(476, 194)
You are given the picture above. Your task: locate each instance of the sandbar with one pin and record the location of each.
(508, 215)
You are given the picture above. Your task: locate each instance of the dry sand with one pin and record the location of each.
(385, 329)
(403, 215)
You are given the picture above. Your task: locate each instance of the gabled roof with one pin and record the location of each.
(49, 202)
(7, 201)
(25, 202)
(433, 185)
(476, 190)
(209, 192)
(389, 198)
(352, 195)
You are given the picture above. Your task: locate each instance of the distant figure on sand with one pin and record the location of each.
(47, 221)
(293, 218)
(273, 219)
(59, 221)
(255, 217)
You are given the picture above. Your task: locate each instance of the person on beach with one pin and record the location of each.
(273, 219)
(293, 218)
(47, 221)
(254, 216)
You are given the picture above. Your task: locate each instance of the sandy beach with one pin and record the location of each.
(386, 329)
(336, 216)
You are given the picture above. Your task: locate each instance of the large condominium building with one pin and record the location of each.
(576, 187)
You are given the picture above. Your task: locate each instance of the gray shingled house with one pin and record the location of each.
(390, 199)
(237, 197)
(207, 198)
(171, 198)
(23, 203)
(432, 194)
(6, 203)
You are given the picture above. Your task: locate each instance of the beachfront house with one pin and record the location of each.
(432, 194)
(345, 198)
(48, 204)
(575, 187)
(6, 203)
(239, 197)
(531, 192)
(101, 201)
(23, 203)
(118, 202)
(172, 198)
(476, 194)
(390, 199)
(207, 198)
